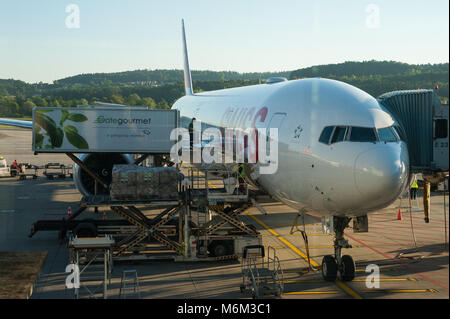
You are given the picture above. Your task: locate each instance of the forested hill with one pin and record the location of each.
(161, 88)
(159, 77)
(163, 77)
(378, 77)
(369, 68)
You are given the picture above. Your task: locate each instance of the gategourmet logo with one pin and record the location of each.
(122, 121)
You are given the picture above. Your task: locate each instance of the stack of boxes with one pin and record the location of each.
(168, 182)
(133, 182)
(123, 186)
(147, 183)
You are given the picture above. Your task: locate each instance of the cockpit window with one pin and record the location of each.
(326, 134)
(362, 134)
(339, 134)
(386, 135)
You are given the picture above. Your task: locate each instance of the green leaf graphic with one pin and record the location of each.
(76, 117)
(65, 115)
(55, 133)
(58, 139)
(70, 128)
(74, 138)
(38, 139)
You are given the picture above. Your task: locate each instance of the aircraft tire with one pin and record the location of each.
(329, 268)
(348, 268)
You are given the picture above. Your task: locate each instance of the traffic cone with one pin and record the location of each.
(399, 216)
(69, 211)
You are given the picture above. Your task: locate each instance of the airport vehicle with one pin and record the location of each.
(341, 154)
(4, 169)
(56, 170)
(28, 171)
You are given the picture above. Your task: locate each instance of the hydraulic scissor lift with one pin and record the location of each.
(145, 228)
(181, 226)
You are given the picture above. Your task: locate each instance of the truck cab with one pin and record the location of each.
(4, 168)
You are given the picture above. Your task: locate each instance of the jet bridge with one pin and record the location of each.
(422, 121)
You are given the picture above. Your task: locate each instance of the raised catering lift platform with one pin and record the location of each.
(202, 224)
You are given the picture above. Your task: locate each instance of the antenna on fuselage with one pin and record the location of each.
(187, 70)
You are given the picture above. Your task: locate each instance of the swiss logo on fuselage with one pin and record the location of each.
(242, 119)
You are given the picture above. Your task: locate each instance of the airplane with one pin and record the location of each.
(340, 154)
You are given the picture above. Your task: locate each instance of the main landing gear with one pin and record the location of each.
(345, 265)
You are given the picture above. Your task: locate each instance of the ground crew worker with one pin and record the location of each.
(16, 166)
(191, 130)
(414, 188)
(241, 178)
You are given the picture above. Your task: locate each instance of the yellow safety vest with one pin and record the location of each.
(241, 171)
(415, 184)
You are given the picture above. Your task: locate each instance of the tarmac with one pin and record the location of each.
(412, 256)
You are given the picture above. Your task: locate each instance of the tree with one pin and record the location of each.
(148, 101)
(11, 106)
(162, 105)
(117, 99)
(37, 100)
(134, 99)
(27, 107)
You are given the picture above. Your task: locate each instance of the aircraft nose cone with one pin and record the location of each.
(381, 174)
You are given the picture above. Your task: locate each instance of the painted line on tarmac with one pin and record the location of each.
(295, 249)
(400, 290)
(348, 290)
(392, 259)
(398, 262)
(343, 286)
(355, 280)
(387, 279)
(311, 292)
(384, 270)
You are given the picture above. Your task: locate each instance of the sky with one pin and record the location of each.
(46, 40)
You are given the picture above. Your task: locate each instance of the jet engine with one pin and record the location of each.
(100, 164)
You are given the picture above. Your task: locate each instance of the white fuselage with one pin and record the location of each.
(345, 178)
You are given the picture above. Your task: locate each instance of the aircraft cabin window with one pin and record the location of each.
(386, 135)
(326, 134)
(363, 134)
(339, 134)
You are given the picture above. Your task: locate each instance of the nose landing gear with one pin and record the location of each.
(345, 265)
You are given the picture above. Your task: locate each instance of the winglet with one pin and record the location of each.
(187, 70)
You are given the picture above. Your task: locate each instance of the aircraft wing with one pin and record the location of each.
(19, 123)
